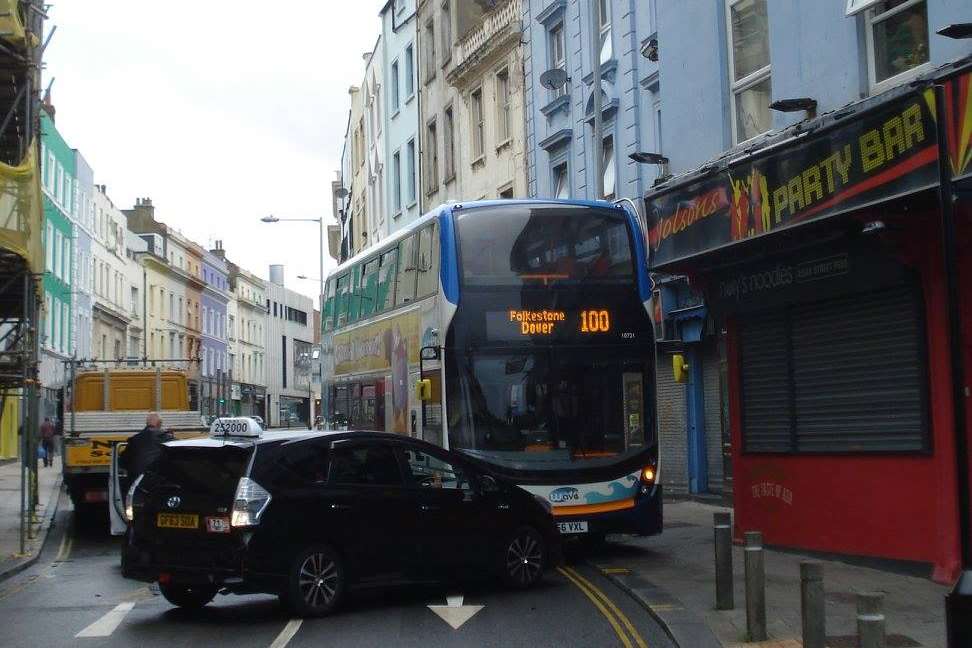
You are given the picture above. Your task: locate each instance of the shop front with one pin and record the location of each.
(821, 257)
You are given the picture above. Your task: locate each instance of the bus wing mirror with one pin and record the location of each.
(679, 368)
(423, 390)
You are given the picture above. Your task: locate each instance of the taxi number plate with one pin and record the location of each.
(218, 524)
(572, 527)
(177, 521)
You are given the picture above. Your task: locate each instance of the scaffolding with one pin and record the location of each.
(21, 250)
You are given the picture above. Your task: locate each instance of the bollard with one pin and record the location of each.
(870, 620)
(812, 604)
(755, 587)
(723, 560)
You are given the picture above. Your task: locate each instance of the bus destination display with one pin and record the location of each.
(547, 322)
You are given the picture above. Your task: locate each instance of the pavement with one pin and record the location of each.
(674, 574)
(74, 595)
(49, 486)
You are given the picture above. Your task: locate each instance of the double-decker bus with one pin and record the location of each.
(517, 332)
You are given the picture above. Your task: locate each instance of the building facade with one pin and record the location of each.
(57, 180)
(110, 280)
(81, 215)
(247, 322)
(400, 131)
(215, 369)
(290, 342)
(809, 241)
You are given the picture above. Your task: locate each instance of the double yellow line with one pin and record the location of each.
(622, 625)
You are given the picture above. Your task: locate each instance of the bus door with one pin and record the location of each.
(116, 492)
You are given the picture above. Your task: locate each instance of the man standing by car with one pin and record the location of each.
(145, 447)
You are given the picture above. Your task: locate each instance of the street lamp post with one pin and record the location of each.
(320, 243)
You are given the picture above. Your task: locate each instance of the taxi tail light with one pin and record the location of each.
(130, 499)
(249, 503)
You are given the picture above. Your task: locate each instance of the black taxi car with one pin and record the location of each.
(310, 515)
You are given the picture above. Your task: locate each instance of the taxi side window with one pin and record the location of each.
(370, 465)
(301, 466)
(428, 471)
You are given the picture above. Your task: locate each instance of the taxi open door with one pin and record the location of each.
(117, 521)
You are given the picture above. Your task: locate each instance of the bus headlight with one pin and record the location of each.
(648, 475)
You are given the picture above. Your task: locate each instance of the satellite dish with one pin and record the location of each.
(554, 79)
(341, 192)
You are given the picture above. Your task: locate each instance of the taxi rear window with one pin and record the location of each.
(203, 470)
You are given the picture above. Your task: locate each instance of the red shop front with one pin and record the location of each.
(821, 259)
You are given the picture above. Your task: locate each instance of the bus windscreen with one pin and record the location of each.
(524, 244)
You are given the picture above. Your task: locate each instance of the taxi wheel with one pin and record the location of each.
(523, 557)
(316, 582)
(187, 596)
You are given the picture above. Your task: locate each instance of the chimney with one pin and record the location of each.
(141, 218)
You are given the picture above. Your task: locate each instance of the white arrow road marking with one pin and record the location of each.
(107, 624)
(454, 612)
(287, 633)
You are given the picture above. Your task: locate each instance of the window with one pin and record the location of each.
(430, 60)
(506, 193)
(427, 471)
(409, 73)
(557, 53)
(49, 248)
(354, 309)
(395, 90)
(445, 29)
(58, 254)
(405, 288)
(449, 162)
(397, 179)
(609, 169)
(55, 315)
(328, 305)
(65, 327)
(387, 274)
(607, 52)
(428, 261)
(897, 41)
(478, 125)
(503, 128)
(343, 297)
(749, 68)
(48, 321)
(66, 258)
(283, 361)
(561, 182)
(369, 465)
(411, 172)
(369, 288)
(431, 158)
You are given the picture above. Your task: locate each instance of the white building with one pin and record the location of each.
(108, 276)
(290, 346)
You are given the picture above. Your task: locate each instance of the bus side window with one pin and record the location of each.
(329, 305)
(355, 309)
(386, 280)
(428, 261)
(405, 291)
(343, 286)
(369, 288)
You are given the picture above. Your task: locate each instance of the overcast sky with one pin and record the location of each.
(222, 113)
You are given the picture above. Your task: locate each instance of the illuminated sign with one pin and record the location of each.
(547, 322)
(540, 322)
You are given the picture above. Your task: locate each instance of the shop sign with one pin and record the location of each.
(958, 116)
(888, 152)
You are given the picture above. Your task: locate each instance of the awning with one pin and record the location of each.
(875, 150)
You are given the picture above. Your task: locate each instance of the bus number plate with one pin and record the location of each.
(572, 527)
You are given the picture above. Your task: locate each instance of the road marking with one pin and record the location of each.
(607, 615)
(607, 601)
(107, 624)
(454, 612)
(287, 633)
(606, 606)
(67, 541)
(620, 571)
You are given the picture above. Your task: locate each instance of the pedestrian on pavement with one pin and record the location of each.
(145, 447)
(47, 441)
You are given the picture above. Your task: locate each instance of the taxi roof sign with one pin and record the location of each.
(237, 426)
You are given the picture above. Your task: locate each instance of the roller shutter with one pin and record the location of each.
(854, 372)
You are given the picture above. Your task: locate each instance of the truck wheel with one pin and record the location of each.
(187, 596)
